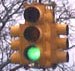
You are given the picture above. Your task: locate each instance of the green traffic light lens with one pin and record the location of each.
(33, 53)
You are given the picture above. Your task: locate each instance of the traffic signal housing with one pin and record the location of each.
(39, 38)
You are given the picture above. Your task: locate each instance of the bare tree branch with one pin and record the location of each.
(4, 5)
(4, 64)
(7, 16)
(17, 67)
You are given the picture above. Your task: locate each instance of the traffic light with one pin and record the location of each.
(39, 38)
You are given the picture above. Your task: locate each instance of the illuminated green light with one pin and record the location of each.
(33, 53)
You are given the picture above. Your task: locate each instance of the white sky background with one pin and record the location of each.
(71, 51)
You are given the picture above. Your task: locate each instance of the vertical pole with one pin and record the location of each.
(49, 1)
(39, 1)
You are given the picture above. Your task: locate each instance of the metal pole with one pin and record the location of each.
(39, 1)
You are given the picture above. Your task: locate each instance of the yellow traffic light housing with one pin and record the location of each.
(39, 40)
